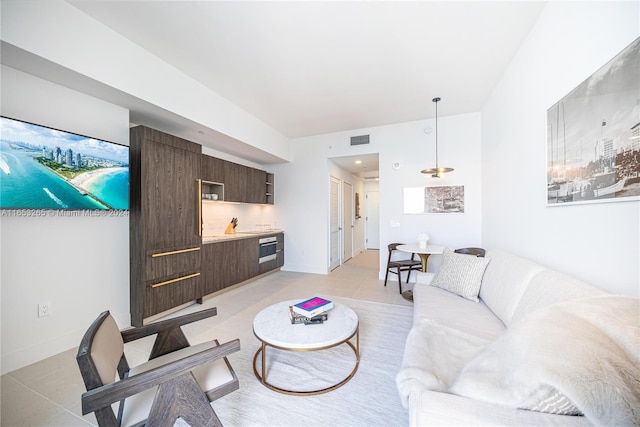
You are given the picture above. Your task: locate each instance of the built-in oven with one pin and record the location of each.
(268, 248)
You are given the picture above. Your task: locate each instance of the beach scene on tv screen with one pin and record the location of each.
(44, 168)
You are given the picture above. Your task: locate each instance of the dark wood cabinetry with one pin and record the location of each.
(169, 264)
(227, 263)
(256, 186)
(270, 189)
(235, 182)
(241, 183)
(211, 280)
(212, 169)
(280, 251)
(165, 243)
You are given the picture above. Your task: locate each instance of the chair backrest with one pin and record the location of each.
(479, 252)
(392, 247)
(101, 351)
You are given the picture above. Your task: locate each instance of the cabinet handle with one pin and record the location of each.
(199, 202)
(168, 282)
(181, 251)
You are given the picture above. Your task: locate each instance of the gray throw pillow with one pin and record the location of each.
(460, 274)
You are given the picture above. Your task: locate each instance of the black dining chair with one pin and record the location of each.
(479, 252)
(397, 266)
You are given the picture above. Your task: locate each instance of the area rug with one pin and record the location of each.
(370, 398)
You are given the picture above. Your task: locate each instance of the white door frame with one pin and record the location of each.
(347, 222)
(334, 223)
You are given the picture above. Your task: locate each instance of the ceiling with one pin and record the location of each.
(309, 68)
(363, 165)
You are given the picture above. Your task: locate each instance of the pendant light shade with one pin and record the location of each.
(438, 170)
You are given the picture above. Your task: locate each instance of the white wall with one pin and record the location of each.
(78, 264)
(89, 48)
(304, 184)
(599, 243)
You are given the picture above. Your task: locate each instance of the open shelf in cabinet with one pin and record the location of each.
(269, 189)
(210, 188)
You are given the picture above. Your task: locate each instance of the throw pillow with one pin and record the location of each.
(549, 399)
(460, 274)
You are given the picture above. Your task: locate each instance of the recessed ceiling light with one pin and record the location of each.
(358, 162)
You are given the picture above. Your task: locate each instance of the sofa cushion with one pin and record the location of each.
(460, 274)
(586, 349)
(505, 281)
(447, 332)
(549, 287)
(435, 304)
(436, 409)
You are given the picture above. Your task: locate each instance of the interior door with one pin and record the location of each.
(372, 216)
(334, 224)
(347, 221)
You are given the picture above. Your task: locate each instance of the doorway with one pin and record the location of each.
(372, 219)
(347, 233)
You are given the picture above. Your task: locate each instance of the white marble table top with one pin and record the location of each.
(273, 326)
(415, 248)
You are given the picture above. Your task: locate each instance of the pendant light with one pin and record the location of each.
(437, 171)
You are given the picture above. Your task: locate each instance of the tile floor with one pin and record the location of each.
(47, 393)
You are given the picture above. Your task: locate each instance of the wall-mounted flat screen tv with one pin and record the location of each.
(45, 168)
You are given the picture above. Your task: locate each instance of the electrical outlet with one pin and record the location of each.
(44, 309)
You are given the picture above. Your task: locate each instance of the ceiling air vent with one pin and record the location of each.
(360, 140)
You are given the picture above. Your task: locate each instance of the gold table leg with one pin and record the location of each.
(423, 260)
(264, 363)
(408, 295)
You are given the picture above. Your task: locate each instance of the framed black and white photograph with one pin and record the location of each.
(446, 199)
(443, 199)
(593, 136)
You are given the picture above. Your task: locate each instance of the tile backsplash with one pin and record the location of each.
(217, 215)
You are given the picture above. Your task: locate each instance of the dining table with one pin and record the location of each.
(423, 252)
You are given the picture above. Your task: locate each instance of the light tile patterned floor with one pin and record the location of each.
(47, 393)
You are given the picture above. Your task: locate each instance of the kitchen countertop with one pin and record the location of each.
(238, 235)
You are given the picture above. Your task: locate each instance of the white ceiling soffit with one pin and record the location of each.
(308, 68)
(140, 111)
(364, 165)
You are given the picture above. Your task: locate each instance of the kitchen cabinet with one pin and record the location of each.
(212, 280)
(229, 262)
(280, 251)
(256, 186)
(164, 239)
(212, 169)
(235, 180)
(270, 189)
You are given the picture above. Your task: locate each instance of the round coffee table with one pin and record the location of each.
(272, 326)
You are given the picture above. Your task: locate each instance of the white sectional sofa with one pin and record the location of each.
(538, 346)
